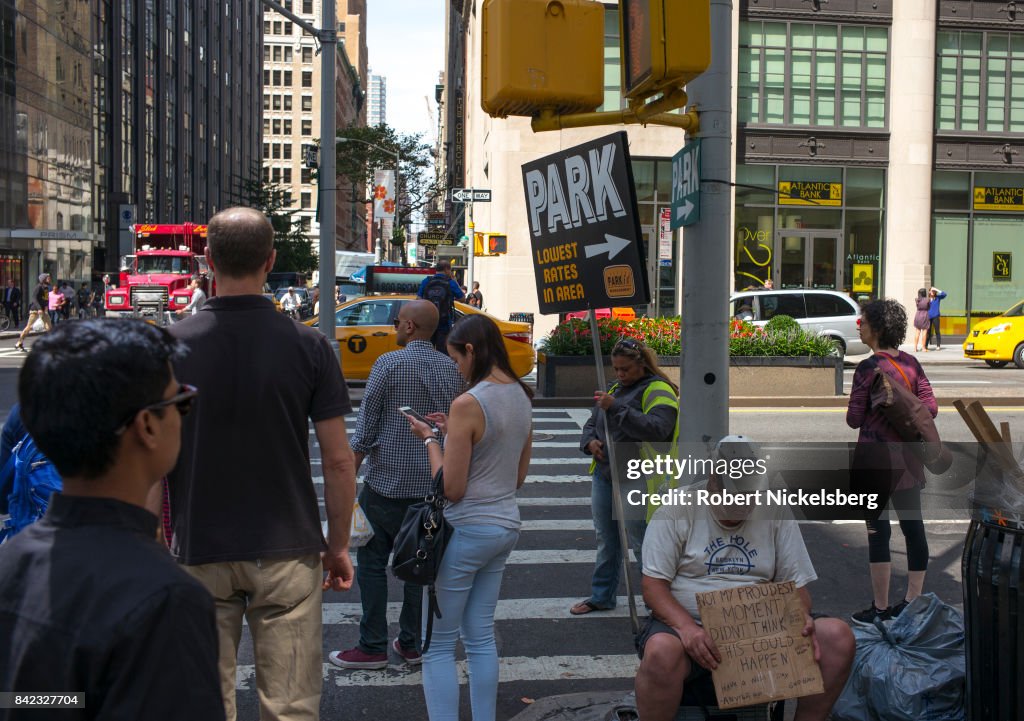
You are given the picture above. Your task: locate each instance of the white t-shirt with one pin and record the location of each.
(688, 547)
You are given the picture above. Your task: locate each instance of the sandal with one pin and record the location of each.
(584, 607)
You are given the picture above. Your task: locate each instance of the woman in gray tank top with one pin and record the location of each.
(485, 458)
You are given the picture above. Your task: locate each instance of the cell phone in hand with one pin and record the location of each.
(413, 414)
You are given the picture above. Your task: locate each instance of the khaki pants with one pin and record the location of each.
(281, 600)
(32, 316)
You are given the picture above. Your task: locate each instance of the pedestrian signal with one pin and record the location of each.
(664, 44)
(539, 55)
(497, 244)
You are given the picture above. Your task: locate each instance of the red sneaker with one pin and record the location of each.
(411, 656)
(357, 658)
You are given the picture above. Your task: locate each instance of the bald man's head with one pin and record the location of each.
(240, 240)
(424, 316)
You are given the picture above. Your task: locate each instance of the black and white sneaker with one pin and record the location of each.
(871, 614)
(898, 608)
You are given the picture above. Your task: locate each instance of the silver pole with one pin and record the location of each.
(471, 251)
(620, 524)
(704, 359)
(328, 169)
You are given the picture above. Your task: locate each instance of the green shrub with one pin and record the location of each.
(782, 324)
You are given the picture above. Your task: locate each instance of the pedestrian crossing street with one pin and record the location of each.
(543, 649)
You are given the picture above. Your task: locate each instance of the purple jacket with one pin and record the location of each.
(874, 427)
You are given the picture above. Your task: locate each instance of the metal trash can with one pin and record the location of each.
(993, 577)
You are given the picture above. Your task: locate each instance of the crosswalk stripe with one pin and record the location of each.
(508, 609)
(511, 669)
(546, 502)
(531, 478)
(551, 555)
(567, 524)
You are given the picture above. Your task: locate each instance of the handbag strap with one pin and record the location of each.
(432, 610)
(897, 367)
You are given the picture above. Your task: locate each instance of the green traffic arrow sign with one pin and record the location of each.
(686, 186)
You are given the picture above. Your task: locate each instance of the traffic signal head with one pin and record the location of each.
(542, 55)
(665, 44)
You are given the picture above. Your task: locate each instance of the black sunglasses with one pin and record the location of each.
(182, 400)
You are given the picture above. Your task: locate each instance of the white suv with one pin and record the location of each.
(826, 312)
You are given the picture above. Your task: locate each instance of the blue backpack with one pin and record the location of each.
(34, 480)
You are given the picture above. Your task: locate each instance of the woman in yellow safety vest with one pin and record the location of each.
(642, 406)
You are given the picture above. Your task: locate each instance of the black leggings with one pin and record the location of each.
(933, 330)
(880, 532)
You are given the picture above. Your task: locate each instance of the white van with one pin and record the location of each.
(826, 312)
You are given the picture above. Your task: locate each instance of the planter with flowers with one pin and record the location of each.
(780, 359)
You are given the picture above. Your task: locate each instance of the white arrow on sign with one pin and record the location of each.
(684, 211)
(612, 245)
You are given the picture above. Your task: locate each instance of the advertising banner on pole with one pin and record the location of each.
(384, 194)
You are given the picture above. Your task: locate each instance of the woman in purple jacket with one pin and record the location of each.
(883, 327)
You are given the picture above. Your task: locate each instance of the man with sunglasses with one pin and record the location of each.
(90, 602)
(245, 517)
(397, 475)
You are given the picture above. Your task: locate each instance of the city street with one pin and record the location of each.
(545, 651)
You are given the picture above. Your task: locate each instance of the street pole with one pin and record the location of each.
(704, 358)
(328, 37)
(329, 167)
(398, 217)
(470, 244)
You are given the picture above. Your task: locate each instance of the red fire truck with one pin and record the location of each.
(155, 281)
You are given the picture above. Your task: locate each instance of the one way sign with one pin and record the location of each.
(471, 195)
(686, 186)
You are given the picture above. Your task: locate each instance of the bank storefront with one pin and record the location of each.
(805, 226)
(977, 234)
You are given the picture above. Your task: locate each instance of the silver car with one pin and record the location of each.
(826, 312)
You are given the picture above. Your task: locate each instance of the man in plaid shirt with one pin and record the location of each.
(397, 475)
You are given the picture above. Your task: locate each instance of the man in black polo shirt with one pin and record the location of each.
(90, 602)
(244, 513)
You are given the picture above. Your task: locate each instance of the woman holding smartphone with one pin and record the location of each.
(485, 459)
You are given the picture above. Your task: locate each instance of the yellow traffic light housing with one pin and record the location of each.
(478, 244)
(665, 44)
(542, 55)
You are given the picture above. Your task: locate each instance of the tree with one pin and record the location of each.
(294, 248)
(417, 183)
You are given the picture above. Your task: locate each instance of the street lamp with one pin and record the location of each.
(398, 160)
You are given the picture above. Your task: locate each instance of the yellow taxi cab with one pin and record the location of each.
(999, 340)
(366, 329)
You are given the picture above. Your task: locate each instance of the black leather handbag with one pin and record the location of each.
(420, 545)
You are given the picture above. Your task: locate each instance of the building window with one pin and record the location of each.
(277, 28)
(277, 102)
(266, 127)
(306, 174)
(307, 127)
(287, 102)
(275, 175)
(307, 200)
(266, 101)
(287, 28)
(287, 151)
(794, 73)
(288, 54)
(307, 78)
(307, 103)
(287, 176)
(277, 53)
(266, 53)
(266, 28)
(306, 224)
(613, 99)
(266, 151)
(266, 175)
(277, 126)
(287, 126)
(287, 78)
(980, 82)
(266, 78)
(277, 78)
(276, 150)
(307, 54)
(307, 7)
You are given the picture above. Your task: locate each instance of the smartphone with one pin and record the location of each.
(413, 414)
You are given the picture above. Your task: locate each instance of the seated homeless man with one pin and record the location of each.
(90, 602)
(690, 549)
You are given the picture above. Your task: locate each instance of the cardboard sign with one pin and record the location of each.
(584, 228)
(758, 632)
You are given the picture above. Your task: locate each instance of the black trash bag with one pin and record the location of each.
(908, 669)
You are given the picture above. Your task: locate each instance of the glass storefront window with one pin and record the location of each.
(995, 235)
(950, 269)
(643, 180)
(951, 191)
(864, 188)
(755, 184)
(754, 246)
(862, 258)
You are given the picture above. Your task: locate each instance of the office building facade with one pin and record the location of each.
(377, 100)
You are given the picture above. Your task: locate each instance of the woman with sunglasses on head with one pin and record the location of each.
(642, 405)
(882, 463)
(485, 458)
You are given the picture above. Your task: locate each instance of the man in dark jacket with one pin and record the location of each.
(442, 290)
(37, 308)
(91, 603)
(12, 302)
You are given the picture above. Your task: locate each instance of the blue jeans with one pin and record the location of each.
(608, 564)
(467, 593)
(385, 515)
